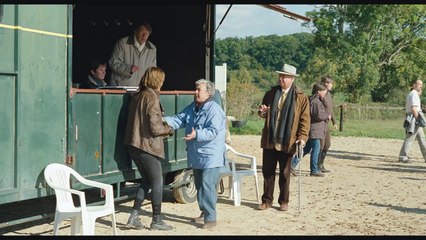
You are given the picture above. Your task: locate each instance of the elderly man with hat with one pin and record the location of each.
(285, 108)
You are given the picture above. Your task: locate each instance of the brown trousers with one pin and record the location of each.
(326, 142)
(269, 165)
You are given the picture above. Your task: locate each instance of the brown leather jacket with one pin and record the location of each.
(300, 126)
(145, 129)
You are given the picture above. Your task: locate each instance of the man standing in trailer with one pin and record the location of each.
(131, 56)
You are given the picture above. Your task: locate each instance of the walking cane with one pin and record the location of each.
(299, 152)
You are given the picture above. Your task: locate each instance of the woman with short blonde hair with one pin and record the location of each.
(144, 137)
(153, 78)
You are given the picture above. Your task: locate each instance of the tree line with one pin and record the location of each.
(372, 51)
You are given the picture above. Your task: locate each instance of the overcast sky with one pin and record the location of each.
(255, 20)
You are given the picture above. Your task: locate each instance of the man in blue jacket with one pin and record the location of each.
(205, 131)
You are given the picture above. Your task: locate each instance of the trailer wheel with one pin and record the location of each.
(185, 193)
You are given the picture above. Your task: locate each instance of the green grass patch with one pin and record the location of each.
(252, 127)
(391, 128)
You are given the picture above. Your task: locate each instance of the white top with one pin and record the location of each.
(139, 46)
(413, 99)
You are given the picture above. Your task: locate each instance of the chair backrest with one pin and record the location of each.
(59, 175)
(227, 169)
(253, 166)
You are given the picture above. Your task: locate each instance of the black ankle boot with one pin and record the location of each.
(133, 221)
(158, 224)
(323, 169)
(321, 162)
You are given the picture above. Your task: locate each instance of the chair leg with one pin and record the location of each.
(114, 226)
(89, 226)
(257, 187)
(76, 225)
(230, 187)
(57, 222)
(237, 191)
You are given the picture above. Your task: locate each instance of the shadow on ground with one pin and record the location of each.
(398, 208)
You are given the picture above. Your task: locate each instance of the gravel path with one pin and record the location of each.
(368, 192)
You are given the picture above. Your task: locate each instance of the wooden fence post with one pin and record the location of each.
(341, 117)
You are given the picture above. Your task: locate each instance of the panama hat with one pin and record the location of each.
(288, 70)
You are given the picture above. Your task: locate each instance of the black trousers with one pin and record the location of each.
(269, 165)
(149, 166)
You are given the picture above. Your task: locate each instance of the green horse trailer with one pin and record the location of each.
(45, 118)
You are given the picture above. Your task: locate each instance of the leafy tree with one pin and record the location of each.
(261, 56)
(242, 99)
(367, 47)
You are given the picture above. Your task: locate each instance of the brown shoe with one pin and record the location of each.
(199, 220)
(209, 225)
(264, 206)
(283, 206)
(318, 174)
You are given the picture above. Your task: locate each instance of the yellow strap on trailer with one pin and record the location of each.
(35, 30)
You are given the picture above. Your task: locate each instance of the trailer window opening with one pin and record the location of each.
(180, 42)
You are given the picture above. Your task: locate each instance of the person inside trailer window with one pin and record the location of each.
(131, 56)
(96, 77)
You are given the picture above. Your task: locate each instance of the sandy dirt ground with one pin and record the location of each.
(368, 192)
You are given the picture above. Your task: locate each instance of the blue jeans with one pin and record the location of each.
(205, 182)
(314, 147)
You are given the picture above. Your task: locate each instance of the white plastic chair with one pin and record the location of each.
(57, 177)
(235, 176)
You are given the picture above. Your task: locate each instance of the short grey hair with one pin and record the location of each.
(209, 86)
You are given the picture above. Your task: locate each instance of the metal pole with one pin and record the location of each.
(300, 156)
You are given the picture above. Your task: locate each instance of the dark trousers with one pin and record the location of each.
(269, 165)
(149, 166)
(325, 143)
